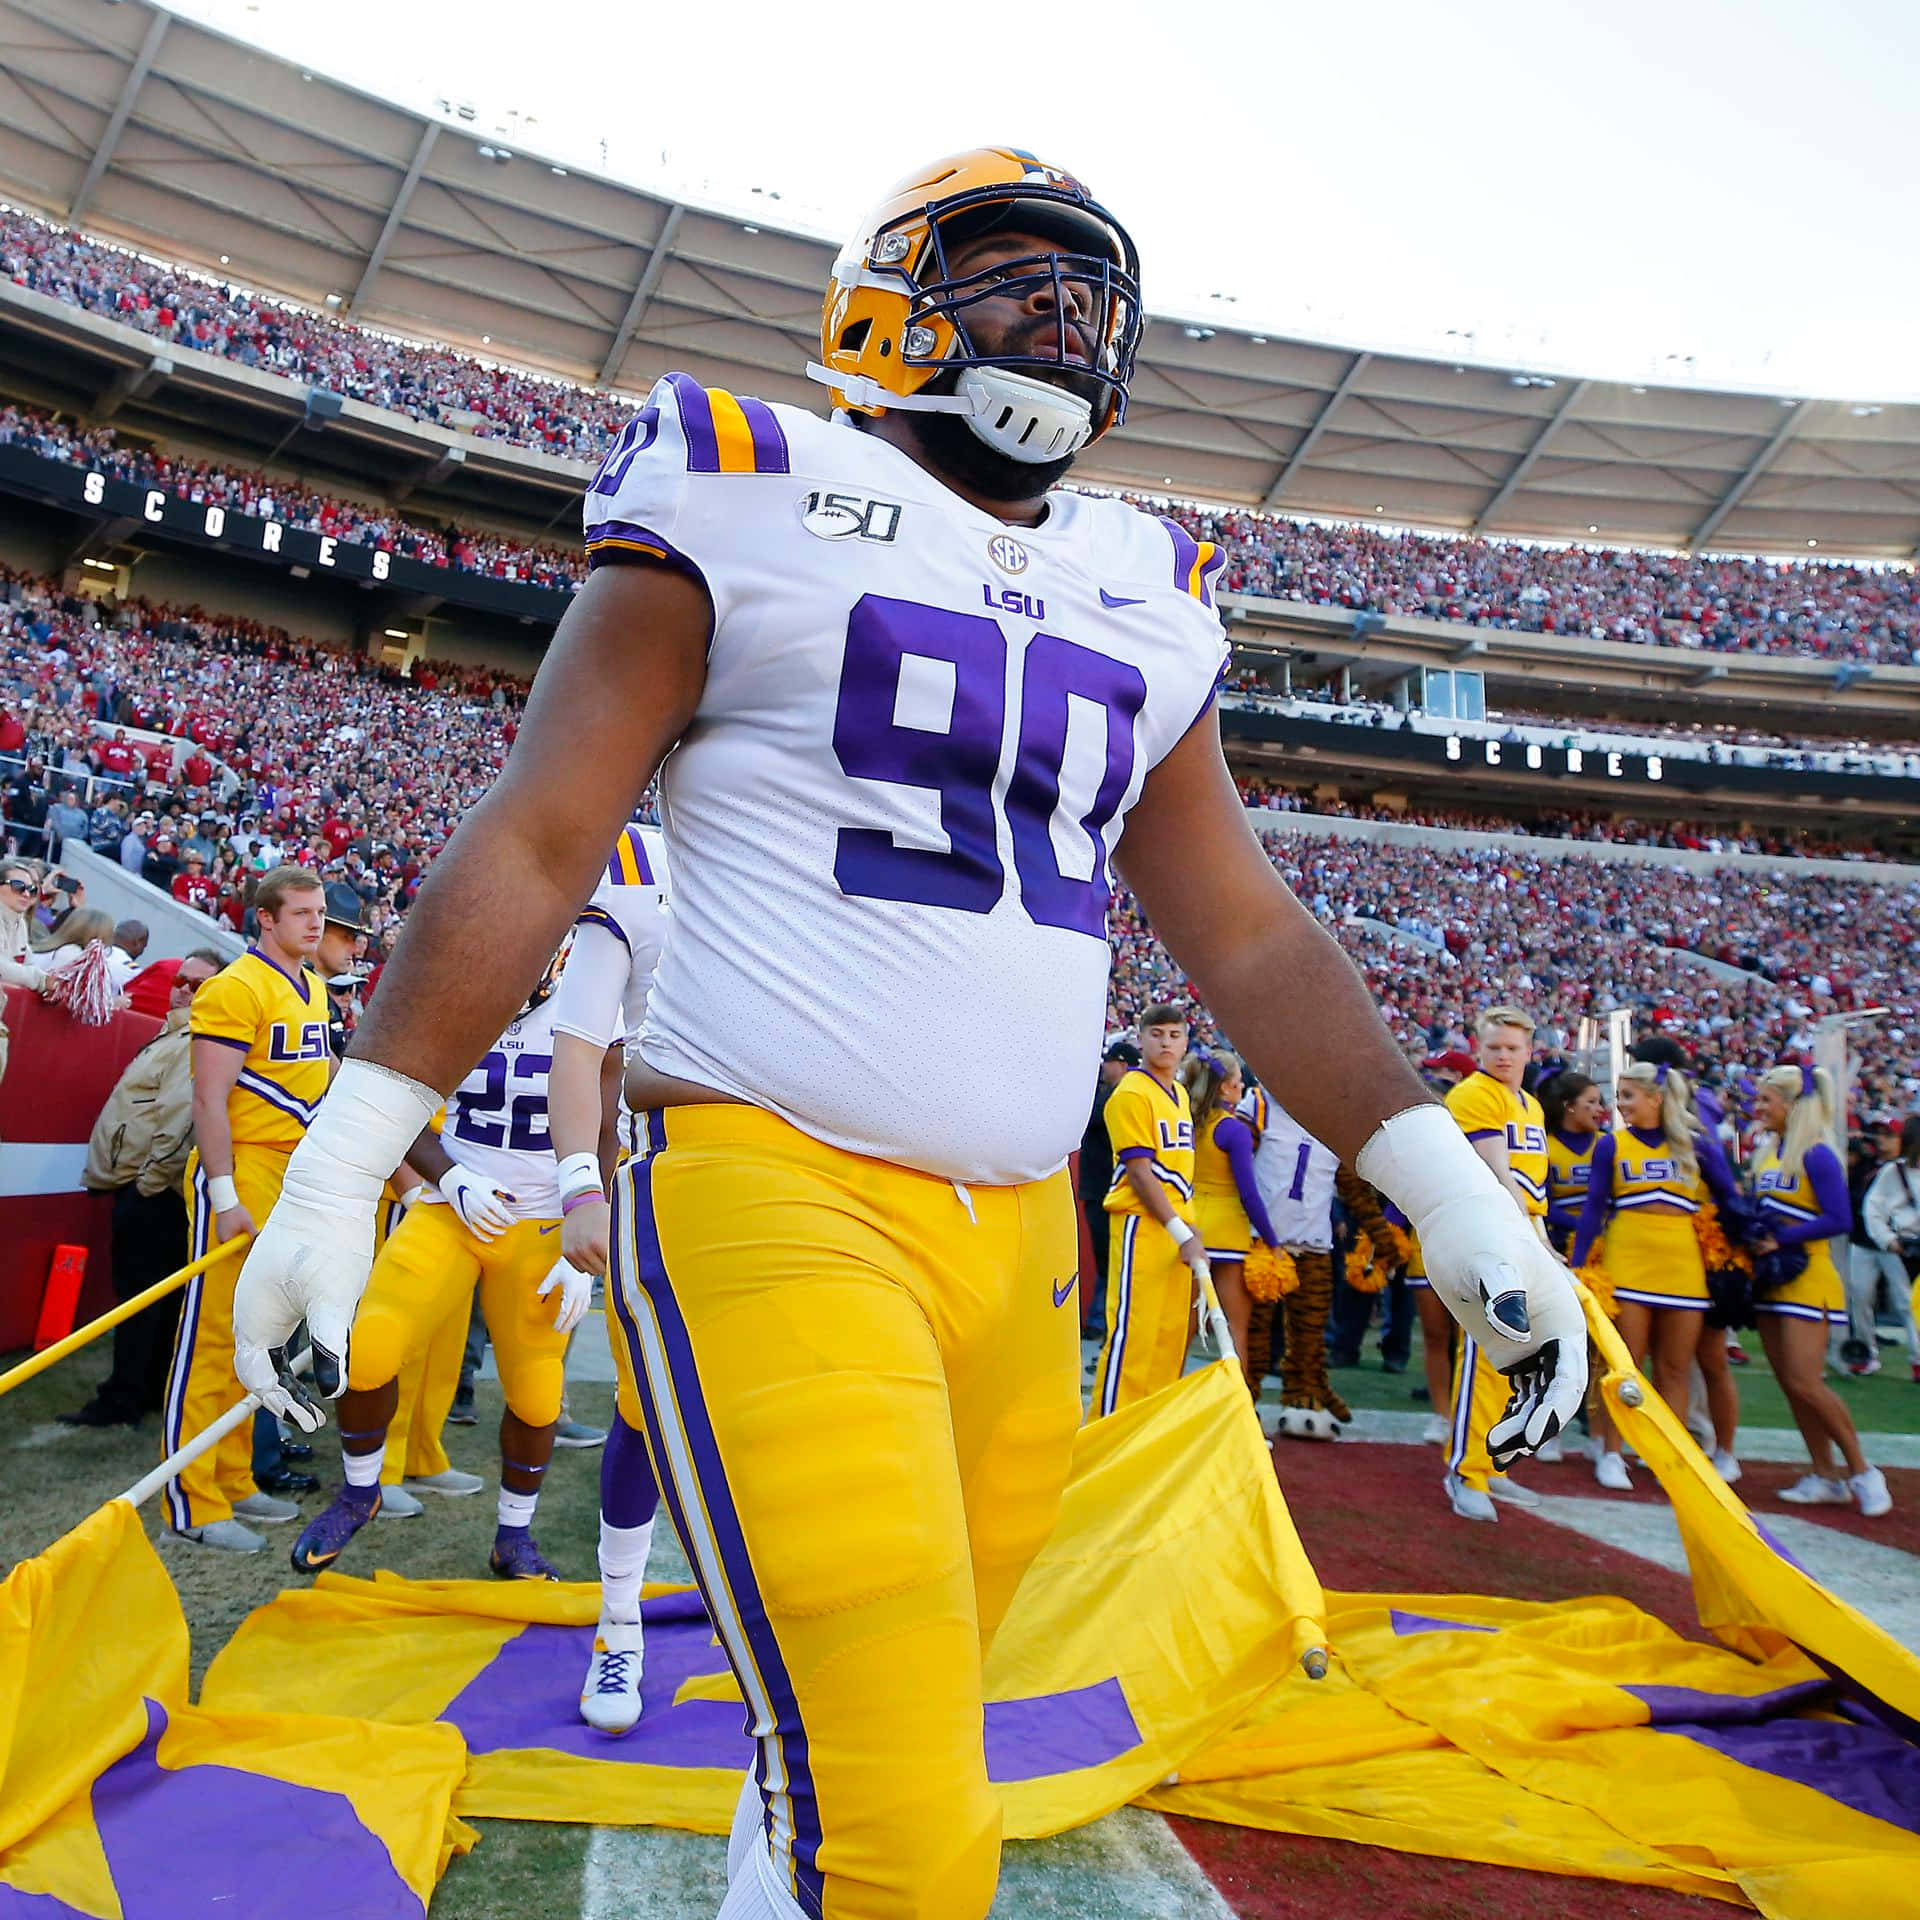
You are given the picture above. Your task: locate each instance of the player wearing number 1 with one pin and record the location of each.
(492, 1216)
(911, 703)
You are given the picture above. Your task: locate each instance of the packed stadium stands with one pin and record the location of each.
(1824, 610)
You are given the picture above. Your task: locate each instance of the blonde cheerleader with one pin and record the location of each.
(1802, 1190)
(1227, 1205)
(1650, 1176)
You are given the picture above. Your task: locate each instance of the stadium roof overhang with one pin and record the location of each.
(157, 131)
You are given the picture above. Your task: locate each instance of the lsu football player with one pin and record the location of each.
(492, 1217)
(597, 1017)
(918, 701)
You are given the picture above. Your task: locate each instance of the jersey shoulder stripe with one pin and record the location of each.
(1196, 563)
(631, 865)
(725, 434)
(595, 915)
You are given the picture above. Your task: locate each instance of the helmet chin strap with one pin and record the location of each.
(1020, 417)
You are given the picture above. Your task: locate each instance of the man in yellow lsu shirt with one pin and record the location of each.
(261, 1061)
(1154, 1254)
(1509, 1132)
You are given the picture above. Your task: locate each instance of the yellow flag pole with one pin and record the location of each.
(81, 1336)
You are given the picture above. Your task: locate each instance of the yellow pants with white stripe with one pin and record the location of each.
(426, 1274)
(1150, 1297)
(1480, 1396)
(860, 1394)
(200, 1383)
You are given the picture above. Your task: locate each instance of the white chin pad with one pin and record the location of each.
(1023, 418)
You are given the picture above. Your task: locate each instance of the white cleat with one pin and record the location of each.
(1725, 1465)
(1434, 1433)
(453, 1483)
(1869, 1490)
(1815, 1490)
(396, 1503)
(1611, 1472)
(1510, 1493)
(1468, 1502)
(610, 1698)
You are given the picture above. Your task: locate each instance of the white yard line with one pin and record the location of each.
(1128, 1863)
(1877, 1579)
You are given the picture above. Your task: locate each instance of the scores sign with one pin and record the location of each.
(104, 496)
(1474, 750)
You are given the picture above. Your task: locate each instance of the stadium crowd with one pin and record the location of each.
(1440, 933)
(1824, 609)
(261, 497)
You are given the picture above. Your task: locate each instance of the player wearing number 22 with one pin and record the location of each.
(492, 1216)
(911, 702)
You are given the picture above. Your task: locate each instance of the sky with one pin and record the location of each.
(1681, 192)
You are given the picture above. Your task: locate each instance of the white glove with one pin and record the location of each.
(487, 1209)
(1491, 1271)
(313, 1253)
(576, 1290)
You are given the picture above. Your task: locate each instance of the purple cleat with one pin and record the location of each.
(323, 1541)
(516, 1555)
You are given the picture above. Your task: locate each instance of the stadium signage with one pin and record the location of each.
(103, 496)
(1400, 751)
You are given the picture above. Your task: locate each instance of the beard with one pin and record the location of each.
(952, 446)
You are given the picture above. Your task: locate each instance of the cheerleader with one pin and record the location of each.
(1802, 1190)
(1576, 1114)
(1227, 1205)
(1649, 1176)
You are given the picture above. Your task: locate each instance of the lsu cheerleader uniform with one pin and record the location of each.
(1805, 1208)
(1227, 1206)
(1652, 1257)
(1486, 1108)
(1149, 1286)
(1569, 1165)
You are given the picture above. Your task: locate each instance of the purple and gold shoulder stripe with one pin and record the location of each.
(630, 866)
(727, 435)
(1196, 563)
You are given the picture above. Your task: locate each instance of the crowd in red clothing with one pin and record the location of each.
(1825, 609)
(1440, 934)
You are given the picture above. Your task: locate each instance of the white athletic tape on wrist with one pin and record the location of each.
(224, 1195)
(1421, 1160)
(370, 1117)
(580, 1173)
(1178, 1231)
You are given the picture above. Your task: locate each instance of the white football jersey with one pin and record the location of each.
(496, 1120)
(892, 816)
(603, 992)
(1295, 1175)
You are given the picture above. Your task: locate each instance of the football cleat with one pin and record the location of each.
(322, 1541)
(516, 1555)
(610, 1698)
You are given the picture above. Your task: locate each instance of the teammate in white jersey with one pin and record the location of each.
(491, 1215)
(912, 702)
(597, 1016)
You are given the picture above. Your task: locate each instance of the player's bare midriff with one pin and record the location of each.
(647, 1089)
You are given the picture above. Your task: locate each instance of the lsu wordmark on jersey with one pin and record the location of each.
(920, 733)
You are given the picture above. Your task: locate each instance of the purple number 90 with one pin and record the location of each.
(961, 762)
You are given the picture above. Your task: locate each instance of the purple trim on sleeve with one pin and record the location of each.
(592, 916)
(1234, 1138)
(1134, 1153)
(1593, 1216)
(221, 1040)
(1488, 1133)
(1714, 1169)
(1829, 1182)
(696, 421)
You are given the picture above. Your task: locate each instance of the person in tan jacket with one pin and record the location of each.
(137, 1153)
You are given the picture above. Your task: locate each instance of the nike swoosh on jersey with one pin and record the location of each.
(1119, 600)
(1062, 1288)
(554, 1228)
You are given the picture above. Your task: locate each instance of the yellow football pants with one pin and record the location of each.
(1480, 1396)
(200, 1383)
(1150, 1298)
(860, 1392)
(426, 1274)
(428, 1381)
